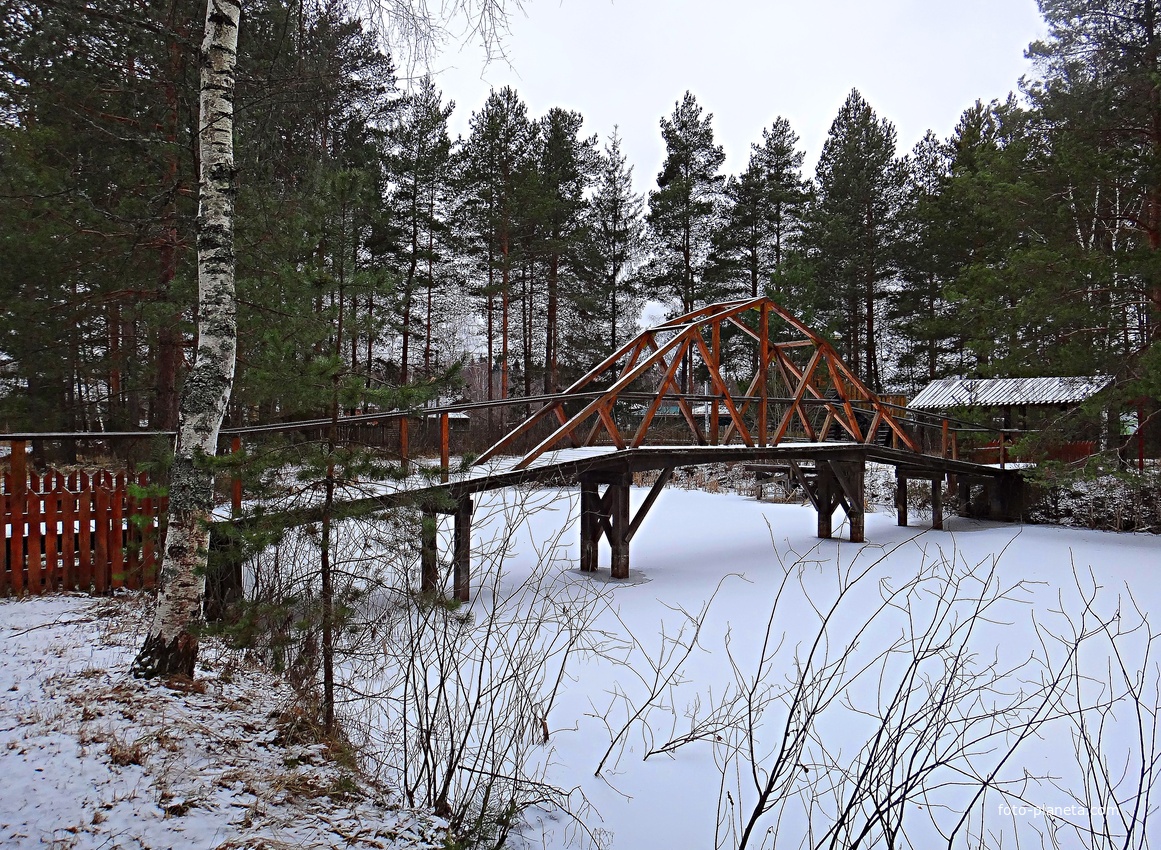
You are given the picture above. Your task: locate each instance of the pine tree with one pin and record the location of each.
(495, 163)
(851, 230)
(565, 170)
(605, 299)
(920, 311)
(1099, 94)
(683, 210)
(763, 210)
(418, 166)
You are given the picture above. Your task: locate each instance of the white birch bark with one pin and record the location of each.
(171, 645)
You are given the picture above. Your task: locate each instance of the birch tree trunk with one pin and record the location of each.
(171, 645)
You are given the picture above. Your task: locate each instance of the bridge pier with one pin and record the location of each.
(835, 483)
(902, 476)
(430, 581)
(605, 515)
(608, 515)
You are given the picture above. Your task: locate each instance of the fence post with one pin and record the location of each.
(403, 443)
(444, 447)
(236, 480)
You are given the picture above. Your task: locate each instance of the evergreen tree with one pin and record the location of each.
(683, 210)
(1099, 95)
(495, 165)
(565, 170)
(418, 166)
(763, 210)
(851, 231)
(920, 312)
(605, 299)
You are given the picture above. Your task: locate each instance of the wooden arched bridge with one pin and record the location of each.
(742, 381)
(803, 412)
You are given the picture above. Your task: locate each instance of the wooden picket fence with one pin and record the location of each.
(78, 531)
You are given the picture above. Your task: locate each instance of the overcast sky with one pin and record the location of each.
(919, 63)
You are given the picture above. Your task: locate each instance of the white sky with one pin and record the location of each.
(919, 63)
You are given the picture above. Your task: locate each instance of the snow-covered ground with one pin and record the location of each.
(1013, 681)
(726, 597)
(91, 758)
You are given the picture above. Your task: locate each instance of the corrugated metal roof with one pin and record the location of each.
(991, 392)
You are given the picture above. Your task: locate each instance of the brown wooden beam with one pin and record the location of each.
(428, 551)
(901, 496)
(462, 550)
(654, 492)
(619, 539)
(590, 508)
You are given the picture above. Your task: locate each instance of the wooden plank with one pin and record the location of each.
(717, 358)
(901, 496)
(53, 574)
(101, 538)
(429, 555)
(727, 400)
(462, 550)
(589, 528)
(444, 448)
(149, 532)
(132, 540)
(117, 532)
(68, 536)
(404, 447)
(236, 479)
(803, 381)
(18, 464)
(33, 554)
(606, 418)
(85, 532)
(6, 519)
(654, 492)
(763, 365)
(619, 538)
(666, 379)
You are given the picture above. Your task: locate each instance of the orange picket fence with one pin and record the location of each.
(79, 531)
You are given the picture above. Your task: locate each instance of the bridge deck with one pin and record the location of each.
(568, 466)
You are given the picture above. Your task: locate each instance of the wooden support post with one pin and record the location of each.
(236, 480)
(901, 496)
(19, 467)
(462, 554)
(619, 519)
(849, 475)
(1006, 498)
(403, 447)
(117, 532)
(590, 526)
(429, 555)
(18, 491)
(943, 443)
(937, 504)
(35, 578)
(654, 492)
(763, 362)
(825, 486)
(964, 495)
(444, 448)
(717, 365)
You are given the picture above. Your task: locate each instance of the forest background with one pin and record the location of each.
(372, 242)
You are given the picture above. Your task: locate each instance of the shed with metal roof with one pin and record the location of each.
(1007, 392)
